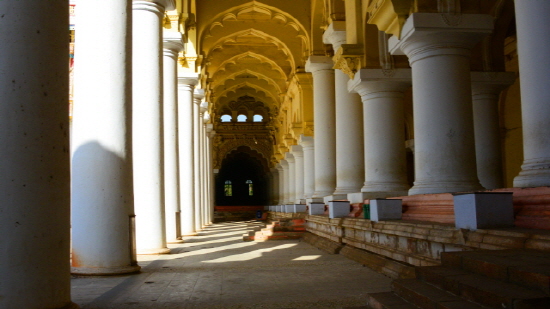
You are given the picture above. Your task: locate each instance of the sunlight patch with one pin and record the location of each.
(307, 258)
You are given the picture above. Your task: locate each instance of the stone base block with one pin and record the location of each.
(316, 208)
(300, 208)
(288, 208)
(338, 209)
(483, 210)
(383, 209)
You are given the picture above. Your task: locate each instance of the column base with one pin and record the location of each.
(321, 194)
(190, 234)
(376, 187)
(360, 197)
(175, 241)
(300, 201)
(153, 251)
(533, 175)
(314, 200)
(443, 187)
(104, 271)
(335, 197)
(345, 191)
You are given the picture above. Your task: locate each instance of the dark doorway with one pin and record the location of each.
(242, 180)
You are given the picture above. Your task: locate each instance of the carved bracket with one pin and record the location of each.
(348, 59)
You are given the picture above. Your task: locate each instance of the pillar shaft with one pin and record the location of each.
(286, 196)
(291, 179)
(197, 122)
(298, 154)
(281, 186)
(532, 24)
(173, 43)
(186, 86)
(309, 165)
(486, 88)
(103, 240)
(443, 118)
(384, 136)
(147, 130)
(34, 156)
(324, 115)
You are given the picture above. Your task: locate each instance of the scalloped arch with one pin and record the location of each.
(247, 84)
(258, 75)
(234, 60)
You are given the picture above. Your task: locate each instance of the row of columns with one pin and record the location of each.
(456, 124)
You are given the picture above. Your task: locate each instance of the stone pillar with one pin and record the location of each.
(102, 184)
(439, 54)
(204, 118)
(298, 154)
(186, 86)
(147, 130)
(291, 179)
(197, 123)
(384, 120)
(486, 88)
(309, 165)
(274, 186)
(211, 193)
(34, 155)
(285, 186)
(281, 186)
(532, 25)
(173, 44)
(349, 124)
(324, 115)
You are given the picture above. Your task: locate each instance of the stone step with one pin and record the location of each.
(482, 290)
(387, 300)
(422, 294)
(529, 268)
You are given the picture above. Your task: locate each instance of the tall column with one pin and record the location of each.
(307, 144)
(285, 186)
(34, 155)
(281, 187)
(198, 95)
(291, 179)
(325, 125)
(532, 25)
(102, 198)
(173, 44)
(211, 195)
(204, 117)
(147, 130)
(298, 154)
(349, 124)
(384, 136)
(486, 88)
(186, 86)
(439, 54)
(274, 186)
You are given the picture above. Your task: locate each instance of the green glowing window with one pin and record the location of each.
(228, 188)
(250, 187)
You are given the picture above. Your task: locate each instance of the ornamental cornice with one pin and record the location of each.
(348, 59)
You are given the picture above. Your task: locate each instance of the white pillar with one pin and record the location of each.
(309, 165)
(324, 115)
(384, 134)
(291, 179)
(274, 186)
(173, 44)
(211, 187)
(486, 88)
(298, 154)
(147, 127)
(102, 184)
(198, 95)
(349, 124)
(34, 155)
(439, 54)
(204, 118)
(285, 186)
(281, 187)
(532, 26)
(186, 86)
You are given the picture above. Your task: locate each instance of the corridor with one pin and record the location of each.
(216, 269)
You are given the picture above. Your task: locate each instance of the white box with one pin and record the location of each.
(338, 209)
(316, 208)
(481, 210)
(384, 209)
(300, 208)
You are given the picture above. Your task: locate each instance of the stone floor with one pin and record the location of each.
(218, 270)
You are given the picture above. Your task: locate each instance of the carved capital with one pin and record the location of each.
(348, 59)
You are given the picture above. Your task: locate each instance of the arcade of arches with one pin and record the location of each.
(181, 105)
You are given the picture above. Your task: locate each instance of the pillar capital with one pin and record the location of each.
(289, 157)
(284, 164)
(297, 150)
(206, 118)
(378, 83)
(149, 6)
(279, 167)
(319, 63)
(306, 141)
(198, 95)
(432, 34)
(188, 81)
(172, 42)
(335, 34)
(204, 107)
(167, 5)
(491, 82)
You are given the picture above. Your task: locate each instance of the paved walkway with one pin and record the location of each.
(218, 270)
